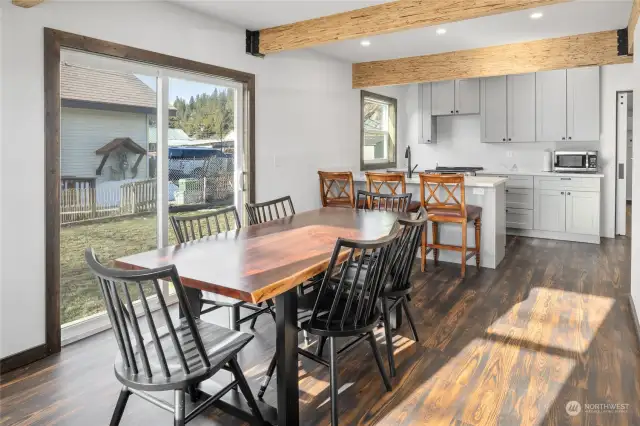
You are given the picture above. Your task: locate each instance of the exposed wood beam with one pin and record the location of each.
(633, 22)
(541, 55)
(385, 18)
(26, 3)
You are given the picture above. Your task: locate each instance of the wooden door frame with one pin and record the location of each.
(54, 41)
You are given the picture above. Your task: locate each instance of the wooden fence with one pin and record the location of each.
(138, 197)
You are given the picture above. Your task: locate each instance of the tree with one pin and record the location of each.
(205, 116)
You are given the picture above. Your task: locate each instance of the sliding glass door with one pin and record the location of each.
(138, 144)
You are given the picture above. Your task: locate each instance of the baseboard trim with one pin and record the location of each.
(634, 316)
(23, 358)
(561, 236)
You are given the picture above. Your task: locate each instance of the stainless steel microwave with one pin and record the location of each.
(575, 161)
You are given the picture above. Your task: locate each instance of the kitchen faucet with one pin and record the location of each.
(407, 155)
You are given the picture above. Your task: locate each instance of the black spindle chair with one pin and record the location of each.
(270, 210)
(176, 356)
(192, 227)
(346, 305)
(383, 202)
(397, 288)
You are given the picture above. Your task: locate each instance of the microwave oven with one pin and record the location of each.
(575, 161)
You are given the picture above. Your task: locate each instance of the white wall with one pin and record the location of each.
(635, 212)
(459, 141)
(306, 118)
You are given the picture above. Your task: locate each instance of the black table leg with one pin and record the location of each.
(194, 296)
(287, 371)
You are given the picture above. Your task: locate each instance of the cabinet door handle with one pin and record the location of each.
(562, 193)
(506, 190)
(451, 111)
(563, 138)
(509, 139)
(565, 178)
(569, 137)
(568, 193)
(456, 111)
(503, 139)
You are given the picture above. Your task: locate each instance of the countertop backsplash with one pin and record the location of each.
(458, 144)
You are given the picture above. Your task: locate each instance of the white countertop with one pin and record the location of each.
(470, 181)
(534, 173)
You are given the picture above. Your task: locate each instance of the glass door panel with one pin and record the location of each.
(108, 189)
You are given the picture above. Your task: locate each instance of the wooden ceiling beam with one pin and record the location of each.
(26, 3)
(385, 18)
(633, 22)
(541, 55)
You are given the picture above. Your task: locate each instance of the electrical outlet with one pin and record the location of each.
(509, 154)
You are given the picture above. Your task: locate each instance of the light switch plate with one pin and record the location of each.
(478, 191)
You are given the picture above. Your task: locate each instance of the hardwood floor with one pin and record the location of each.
(510, 346)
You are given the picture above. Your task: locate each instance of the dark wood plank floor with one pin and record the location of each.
(506, 347)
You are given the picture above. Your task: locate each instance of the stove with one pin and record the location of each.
(467, 171)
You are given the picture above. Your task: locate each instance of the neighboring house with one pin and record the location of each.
(99, 106)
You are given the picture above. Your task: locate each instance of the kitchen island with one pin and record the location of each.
(487, 192)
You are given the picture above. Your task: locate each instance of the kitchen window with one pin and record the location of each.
(377, 131)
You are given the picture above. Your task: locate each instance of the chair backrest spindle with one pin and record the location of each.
(268, 210)
(189, 228)
(383, 202)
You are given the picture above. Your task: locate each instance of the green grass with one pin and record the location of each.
(79, 292)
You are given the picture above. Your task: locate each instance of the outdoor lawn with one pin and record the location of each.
(80, 295)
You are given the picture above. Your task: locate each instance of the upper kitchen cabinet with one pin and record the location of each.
(568, 105)
(583, 104)
(521, 108)
(551, 105)
(443, 94)
(508, 112)
(455, 97)
(429, 133)
(467, 96)
(493, 109)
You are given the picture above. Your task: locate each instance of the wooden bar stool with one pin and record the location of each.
(393, 183)
(336, 189)
(450, 210)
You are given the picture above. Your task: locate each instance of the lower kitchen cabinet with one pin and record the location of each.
(549, 210)
(582, 212)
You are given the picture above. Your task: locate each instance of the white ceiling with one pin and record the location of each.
(576, 17)
(259, 14)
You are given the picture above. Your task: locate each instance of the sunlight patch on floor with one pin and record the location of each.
(554, 318)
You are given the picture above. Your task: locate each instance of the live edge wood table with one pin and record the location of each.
(267, 261)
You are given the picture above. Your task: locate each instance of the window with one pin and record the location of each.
(378, 131)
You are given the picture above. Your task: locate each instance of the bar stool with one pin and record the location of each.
(450, 210)
(393, 183)
(336, 189)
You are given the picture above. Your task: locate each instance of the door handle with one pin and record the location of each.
(620, 170)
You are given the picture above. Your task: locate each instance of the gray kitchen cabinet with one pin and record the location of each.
(549, 212)
(521, 108)
(493, 109)
(582, 212)
(443, 98)
(551, 106)
(467, 96)
(583, 104)
(427, 119)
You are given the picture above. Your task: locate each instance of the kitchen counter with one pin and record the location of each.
(470, 181)
(487, 192)
(533, 173)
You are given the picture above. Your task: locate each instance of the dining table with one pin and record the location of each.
(268, 262)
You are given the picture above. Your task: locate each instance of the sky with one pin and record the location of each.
(181, 88)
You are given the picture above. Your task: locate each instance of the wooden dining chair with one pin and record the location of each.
(393, 183)
(382, 202)
(443, 196)
(172, 356)
(269, 210)
(193, 227)
(336, 189)
(346, 305)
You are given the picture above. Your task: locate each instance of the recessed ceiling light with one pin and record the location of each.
(441, 31)
(365, 43)
(536, 15)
